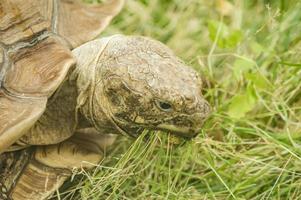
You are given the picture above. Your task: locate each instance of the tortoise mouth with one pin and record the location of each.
(187, 133)
(135, 130)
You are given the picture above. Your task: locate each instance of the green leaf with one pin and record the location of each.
(227, 38)
(259, 81)
(241, 66)
(234, 38)
(256, 48)
(242, 103)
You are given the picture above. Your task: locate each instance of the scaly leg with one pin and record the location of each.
(51, 165)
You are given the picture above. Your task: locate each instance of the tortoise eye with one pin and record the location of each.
(165, 106)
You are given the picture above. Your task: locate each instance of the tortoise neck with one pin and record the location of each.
(69, 90)
(90, 108)
(58, 122)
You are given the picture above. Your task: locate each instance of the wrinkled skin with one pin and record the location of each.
(120, 85)
(140, 84)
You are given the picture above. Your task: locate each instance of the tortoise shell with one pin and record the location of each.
(36, 38)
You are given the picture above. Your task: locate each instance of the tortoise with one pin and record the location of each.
(64, 96)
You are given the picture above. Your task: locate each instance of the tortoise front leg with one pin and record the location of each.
(11, 166)
(51, 165)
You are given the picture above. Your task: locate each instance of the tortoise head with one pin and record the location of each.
(140, 84)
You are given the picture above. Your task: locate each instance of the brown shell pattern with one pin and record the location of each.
(35, 41)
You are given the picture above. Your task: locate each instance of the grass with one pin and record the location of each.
(248, 53)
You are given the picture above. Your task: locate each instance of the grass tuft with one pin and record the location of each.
(248, 53)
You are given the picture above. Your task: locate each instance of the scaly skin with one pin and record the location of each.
(120, 85)
(132, 75)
